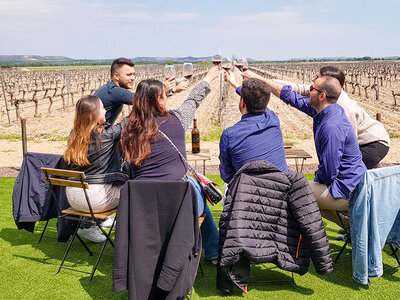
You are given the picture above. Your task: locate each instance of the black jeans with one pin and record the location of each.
(373, 153)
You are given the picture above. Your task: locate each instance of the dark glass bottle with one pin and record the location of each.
(195, 138)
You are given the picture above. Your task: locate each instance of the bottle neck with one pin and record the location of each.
(194, 123)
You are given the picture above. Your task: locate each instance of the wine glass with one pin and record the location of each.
(187, 70)
(226, 63)
(245, 63)
(241, 63)
(216, 59)
(169, 71)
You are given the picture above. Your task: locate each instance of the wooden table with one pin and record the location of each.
(297, 154)
(202, 156)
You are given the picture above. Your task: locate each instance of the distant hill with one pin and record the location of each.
(36, 59)
(32, 59)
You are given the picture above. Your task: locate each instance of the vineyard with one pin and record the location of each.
(39, 95)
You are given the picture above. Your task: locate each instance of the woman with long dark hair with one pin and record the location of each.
(151, 154)
(94, 149)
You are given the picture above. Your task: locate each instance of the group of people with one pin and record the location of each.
(97, 146)
(347, 139)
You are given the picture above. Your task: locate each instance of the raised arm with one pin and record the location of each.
(276, 87)
(185, 112)
(285, 93)
(302, 89)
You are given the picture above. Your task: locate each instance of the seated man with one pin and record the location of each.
(373, 139)
(257, 136)
(340, 166)
(116, 92)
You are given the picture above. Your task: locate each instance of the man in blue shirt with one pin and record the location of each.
(340, 166)
(257, 136)
(116, 92)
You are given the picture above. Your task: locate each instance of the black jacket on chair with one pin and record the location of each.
(157, 240)
(270, 216)
(32, 199)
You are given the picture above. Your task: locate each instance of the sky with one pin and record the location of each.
(262, 30)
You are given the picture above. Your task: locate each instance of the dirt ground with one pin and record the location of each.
(48, 133)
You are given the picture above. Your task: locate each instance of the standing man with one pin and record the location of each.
(257, 136)
(116, 92)
(340, 162)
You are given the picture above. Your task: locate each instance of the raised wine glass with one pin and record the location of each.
(226, 63)
(245, 63)
(241, 63)
(187, 70)
(216, 59)
(169, 71)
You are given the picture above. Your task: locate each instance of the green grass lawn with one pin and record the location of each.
(26, 269)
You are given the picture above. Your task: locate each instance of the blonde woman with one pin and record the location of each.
(93, 147)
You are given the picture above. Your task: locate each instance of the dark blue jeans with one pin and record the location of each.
(209, 230)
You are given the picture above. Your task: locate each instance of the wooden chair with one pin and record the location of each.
(58, 178)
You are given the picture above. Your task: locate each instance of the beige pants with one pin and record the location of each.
(102, 197)
(329, 205)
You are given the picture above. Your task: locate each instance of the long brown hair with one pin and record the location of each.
(142, 127)
(86, 117)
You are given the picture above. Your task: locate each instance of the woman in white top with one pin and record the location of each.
(373, 139)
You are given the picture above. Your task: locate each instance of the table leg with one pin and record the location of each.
(302, 164)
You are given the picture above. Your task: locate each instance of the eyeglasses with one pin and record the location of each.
(313, 88)
(319, 91)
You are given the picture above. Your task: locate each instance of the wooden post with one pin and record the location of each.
(378, 117)
(377, 83)
(24, 140)
(68, 84)
(221, 94)
(5, 100)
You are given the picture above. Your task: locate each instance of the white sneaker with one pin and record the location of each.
(107, 222)
(92, 234)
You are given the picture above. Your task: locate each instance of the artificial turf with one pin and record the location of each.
(27, 267)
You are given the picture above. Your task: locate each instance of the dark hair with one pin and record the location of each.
(119, 62)
(331, 86)
(333, 72)
(86, 118)
(255, 94)
(142, 127)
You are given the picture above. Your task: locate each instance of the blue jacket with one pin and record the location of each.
(32, 200)
(374, 211)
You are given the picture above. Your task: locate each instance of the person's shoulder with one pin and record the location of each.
(227, 132)
(271, 113)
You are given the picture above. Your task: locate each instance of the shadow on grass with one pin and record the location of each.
(77, 258)
(206, 286)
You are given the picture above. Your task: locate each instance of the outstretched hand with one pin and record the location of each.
(169, 83)
(212, 74)
(181, 86)
(250, 74)
(230, 77)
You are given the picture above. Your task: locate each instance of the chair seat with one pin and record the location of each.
(101, 215)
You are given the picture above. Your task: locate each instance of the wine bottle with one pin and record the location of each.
(195, 138)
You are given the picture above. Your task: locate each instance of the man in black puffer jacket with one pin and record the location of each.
(269, 216)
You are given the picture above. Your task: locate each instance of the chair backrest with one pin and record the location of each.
(65, 173)
(68, 182)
